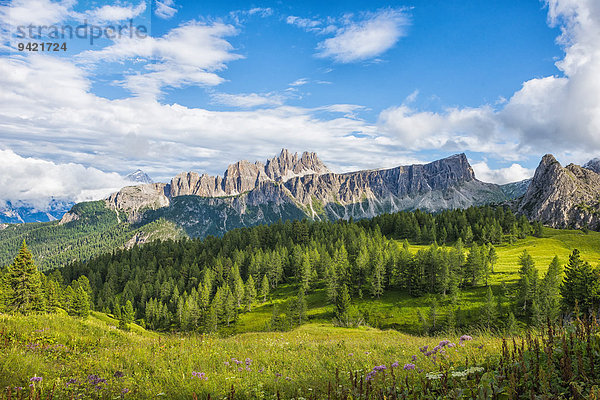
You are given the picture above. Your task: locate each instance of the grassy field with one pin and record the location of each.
(63, 349)
(400, 311)
(93, 359)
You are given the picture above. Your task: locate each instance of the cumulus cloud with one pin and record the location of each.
(36, 12)
(112, 13)
(190, 54)
(35, 182)
(165, 9)
(558, 114)
(514, 173)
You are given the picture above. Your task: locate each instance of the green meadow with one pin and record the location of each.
(91, 358)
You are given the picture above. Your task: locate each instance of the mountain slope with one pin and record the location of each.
(563, 197)
(291, 186)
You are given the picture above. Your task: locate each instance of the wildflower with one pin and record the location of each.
(414, 358)
(465, 338)
(367, 352)
(408, 367)
(248, 369)
(480, 346)
(261, 370)
(226, 363)
(395, 365)
(434, 375)
(350, 355)
(451, 344)
(423, 349)
(240, 369)
(124, 391)
(72, 382)
(248, 361)
(200, 375)
(287, 378)
(444, 343)
(36, 379)
(118, 374)
(378, 368)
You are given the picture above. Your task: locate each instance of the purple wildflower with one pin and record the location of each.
(118, 374)
(200, 375)
(444, 343)
(465, 338)
(36, 379)
(414, 358)
(350, 355)
(451, 344)
(72, 382)
(261, 370)
(226, 363)
(395, 365)
(378, 368)
(124, 391)
(423, 349)
(248, 361)
(240, 369)
(480, 346)
(408, 367)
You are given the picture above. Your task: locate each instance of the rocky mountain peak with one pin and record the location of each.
(593, 164)
(139, 176)
(562, 197)
(288, 165)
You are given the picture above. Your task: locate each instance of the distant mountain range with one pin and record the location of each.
(22, 212)
(292, 186)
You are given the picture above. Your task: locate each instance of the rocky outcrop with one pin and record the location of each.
(292, 186)
(135, 200)
(563, 197)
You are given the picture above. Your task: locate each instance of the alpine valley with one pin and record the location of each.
(291, 186)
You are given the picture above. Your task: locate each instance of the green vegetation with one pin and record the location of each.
(55, 356)
(96, 230)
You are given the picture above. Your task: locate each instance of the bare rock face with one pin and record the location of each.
(289, 186)
(134, 200)
(563, 197)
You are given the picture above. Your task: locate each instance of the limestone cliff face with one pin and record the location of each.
(290, 185)
(563, 197)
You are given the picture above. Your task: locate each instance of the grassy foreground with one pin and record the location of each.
(74, 356)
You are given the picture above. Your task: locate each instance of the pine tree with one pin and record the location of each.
(306, 272)
(81, 303)
(377, 276)
(581, 284)
(550, 293)
(250, 293)
(342, 304)
(264, 288)
(527, 283)
(489, 311)
(301, 306)
(332, 285)
(25, 291)
(127, 316)
(492, 257)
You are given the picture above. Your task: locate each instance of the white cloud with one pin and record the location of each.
(248, 100)
(165, 9)
(36, 182)
(559, 114)
(190, 54)
(514, 173)
(35, 12)
(367, 38)
(299, 82)
(111, 13)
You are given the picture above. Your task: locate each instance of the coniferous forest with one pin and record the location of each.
(204, 285)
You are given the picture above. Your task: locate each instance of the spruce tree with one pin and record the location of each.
(581, 284)
(264, 288)
(550, 294)
(301, 306)
(25, 291)
(527, 283)
(127, 316)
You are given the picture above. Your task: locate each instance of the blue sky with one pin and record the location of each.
(364, 84)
